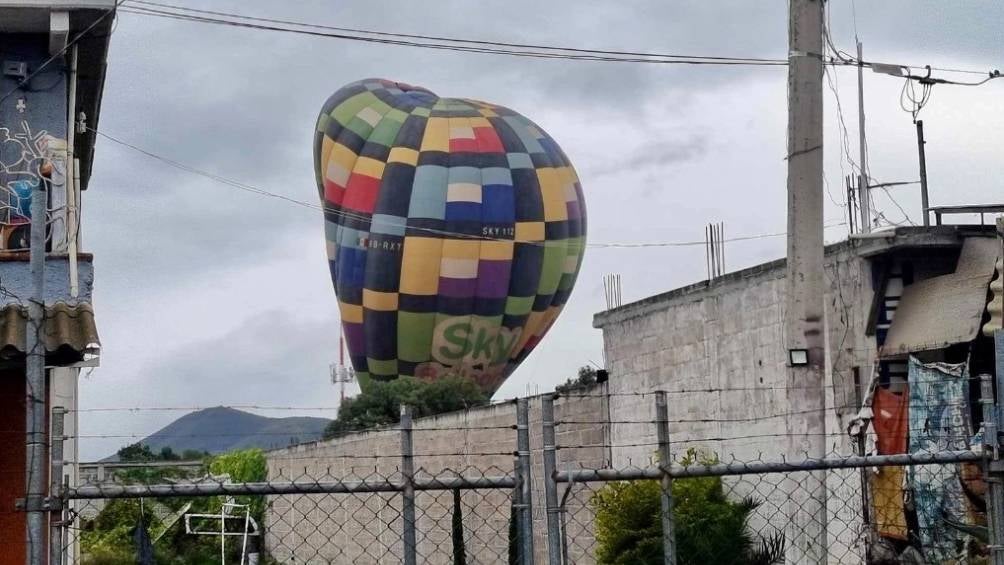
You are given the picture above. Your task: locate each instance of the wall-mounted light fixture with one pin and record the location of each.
(798, 357)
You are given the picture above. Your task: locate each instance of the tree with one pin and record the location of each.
(136, 453)
(244, 466)
(194, 454)
(141, 453)
(585, 379)
(380, 404)
(710, 528)
(108, 538)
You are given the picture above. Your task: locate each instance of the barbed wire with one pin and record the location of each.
(828, 409)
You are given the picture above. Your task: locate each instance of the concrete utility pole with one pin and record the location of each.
(35, 405)
(864, 200)
(803, 315)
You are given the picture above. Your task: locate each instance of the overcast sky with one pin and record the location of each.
(206, 295)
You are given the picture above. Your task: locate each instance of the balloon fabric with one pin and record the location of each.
(455, 231)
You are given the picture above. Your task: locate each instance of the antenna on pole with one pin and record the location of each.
(340, 374)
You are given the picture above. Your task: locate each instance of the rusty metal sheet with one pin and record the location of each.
(942, 311)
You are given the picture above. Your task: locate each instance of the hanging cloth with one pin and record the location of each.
(891, 421)
(887, 502)
(939, 421)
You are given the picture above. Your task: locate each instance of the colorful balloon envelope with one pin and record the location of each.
(455, 230)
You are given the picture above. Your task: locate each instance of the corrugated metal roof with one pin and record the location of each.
(70, 333)
(945, 310)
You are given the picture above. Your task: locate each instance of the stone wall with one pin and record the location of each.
(366, 528)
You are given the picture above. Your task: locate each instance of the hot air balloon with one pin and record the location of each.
(455, 230)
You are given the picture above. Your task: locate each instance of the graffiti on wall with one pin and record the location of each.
(27, 158)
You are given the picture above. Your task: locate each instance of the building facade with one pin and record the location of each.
(52, 68)
(718, 348)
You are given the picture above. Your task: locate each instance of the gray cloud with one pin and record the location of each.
(208, 295)
(648, 156)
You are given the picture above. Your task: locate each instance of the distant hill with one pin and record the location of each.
(220, 429)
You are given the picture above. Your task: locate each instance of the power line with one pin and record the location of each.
(350, 215)
(449, 47)
(184, 13)
(600, 52)
(896, 203)
(230, 182)
(139, 7)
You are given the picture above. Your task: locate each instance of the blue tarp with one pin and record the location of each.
(939, 421)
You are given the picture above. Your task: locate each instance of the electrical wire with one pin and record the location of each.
(184, 13)
(230, 182)
(170, 11)
(898, 206)
(455, 40)
(345, 214)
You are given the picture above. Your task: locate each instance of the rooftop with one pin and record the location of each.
(870, 245)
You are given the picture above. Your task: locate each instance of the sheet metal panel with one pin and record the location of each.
(945, 310)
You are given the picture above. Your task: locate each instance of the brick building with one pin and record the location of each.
(52, 67)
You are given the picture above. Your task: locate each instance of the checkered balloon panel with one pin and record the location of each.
(455, 230)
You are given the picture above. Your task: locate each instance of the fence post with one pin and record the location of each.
(665, 462)
(516, 513)
(408, 494)
(995, 504)
(523, 450)
(550, 484)
(56, 515)
(992, 415)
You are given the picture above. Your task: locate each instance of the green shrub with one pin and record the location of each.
(709, 527)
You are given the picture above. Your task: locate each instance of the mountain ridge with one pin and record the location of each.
(221, 429)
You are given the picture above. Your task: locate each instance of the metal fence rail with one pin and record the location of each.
(689, 501)
(702, 506)
(323, 521)
(396, 512)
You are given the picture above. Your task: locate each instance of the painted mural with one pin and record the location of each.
(455, 231)
(33, 123)
(27, 158)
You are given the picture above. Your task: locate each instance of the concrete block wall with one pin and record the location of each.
(366, 528)
(719, 350)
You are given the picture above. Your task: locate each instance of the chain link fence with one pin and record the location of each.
(739, 513)
(546, 492)
(308, 520)
(693, 502)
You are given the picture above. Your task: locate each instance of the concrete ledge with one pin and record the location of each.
(875, 244)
